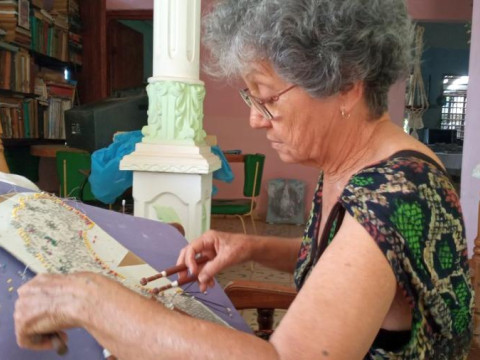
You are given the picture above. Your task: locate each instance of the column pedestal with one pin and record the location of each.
(173, 166)
(173, 183)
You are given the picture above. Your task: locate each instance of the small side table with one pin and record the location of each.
(50, 151)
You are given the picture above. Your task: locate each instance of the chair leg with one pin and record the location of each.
(243, 224)
(253, 224)
(265, 319)
(65, 186)
(252, 264)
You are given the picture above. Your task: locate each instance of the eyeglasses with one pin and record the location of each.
(259, 104)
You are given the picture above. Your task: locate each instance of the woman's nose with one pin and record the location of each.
(257, 120)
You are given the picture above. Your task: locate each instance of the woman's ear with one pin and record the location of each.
(352, 96)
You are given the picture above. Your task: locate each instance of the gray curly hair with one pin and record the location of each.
(323, 46)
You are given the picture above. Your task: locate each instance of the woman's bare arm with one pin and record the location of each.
(336, 315)
(227, 249)
(343, 303)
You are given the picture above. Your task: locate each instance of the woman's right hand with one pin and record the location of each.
(221, 248)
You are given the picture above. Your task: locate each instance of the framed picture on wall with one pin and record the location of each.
(24, 14)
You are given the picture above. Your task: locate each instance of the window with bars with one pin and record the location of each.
(454, 104)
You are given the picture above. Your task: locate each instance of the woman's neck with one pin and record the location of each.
(357, 145)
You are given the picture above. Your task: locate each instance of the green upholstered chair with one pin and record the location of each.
(244, 207)
(73, 169)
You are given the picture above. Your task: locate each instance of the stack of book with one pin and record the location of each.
(14, 20)
(49, 34)
(15, 68)
(54, 121)
(69, 9)
(19, 118)
(58, 94)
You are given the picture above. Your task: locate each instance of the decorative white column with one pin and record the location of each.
(173, 165)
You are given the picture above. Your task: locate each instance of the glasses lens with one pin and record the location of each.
(262, 109)
(245, 97)
(251, 101)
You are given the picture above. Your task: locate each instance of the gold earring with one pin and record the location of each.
(345, 115)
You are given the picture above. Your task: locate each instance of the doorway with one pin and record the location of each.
(129, 50)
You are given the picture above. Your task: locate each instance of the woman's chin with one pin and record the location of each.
(287, 157)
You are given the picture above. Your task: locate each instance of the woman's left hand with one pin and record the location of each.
(50, 303)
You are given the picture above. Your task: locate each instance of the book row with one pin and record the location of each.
(31, 119)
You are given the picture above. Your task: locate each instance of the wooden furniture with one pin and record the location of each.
(50, 151)
(243, 207)
(3, 162)
(94, 80)
(34, 90)
(265, 297)
(73, 169)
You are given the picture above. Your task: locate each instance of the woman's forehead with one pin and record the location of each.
(260, 72)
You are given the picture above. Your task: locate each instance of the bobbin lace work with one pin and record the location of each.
(48, 235)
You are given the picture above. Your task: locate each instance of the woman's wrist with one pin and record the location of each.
(257, 245)
(86, 299)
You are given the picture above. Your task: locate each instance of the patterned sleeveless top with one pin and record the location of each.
(410, 208)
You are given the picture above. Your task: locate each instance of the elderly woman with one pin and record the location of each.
(381, 269)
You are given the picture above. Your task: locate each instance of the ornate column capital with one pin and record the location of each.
(175, 113)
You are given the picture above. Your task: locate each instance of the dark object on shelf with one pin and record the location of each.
(233, 152)
(92, 126)
(21, 162)
(434, 136)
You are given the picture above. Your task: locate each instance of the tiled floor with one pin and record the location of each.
(256, 272)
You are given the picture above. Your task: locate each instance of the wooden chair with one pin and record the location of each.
(265, 297)
(73, 169)
(243, 207)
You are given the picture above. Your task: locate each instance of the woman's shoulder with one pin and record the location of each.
(407, 179)
(405, 166)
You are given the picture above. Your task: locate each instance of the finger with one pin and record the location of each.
(33, 342)
(57, 341)
(190, 261)
(59, 344)
(181, 260)
(210, 269)
(181, 256)
(211, 283)
(206, 285)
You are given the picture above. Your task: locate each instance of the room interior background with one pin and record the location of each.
(446, 52)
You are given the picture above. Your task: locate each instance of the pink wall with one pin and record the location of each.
(470, 188)
(437, 10)
(440, 10)
(227, 117)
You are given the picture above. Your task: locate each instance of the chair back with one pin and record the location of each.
(253, 171)
(72, 171)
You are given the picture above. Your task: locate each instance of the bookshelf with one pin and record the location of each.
(39, 40)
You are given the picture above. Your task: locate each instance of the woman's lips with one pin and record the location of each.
(276, 144)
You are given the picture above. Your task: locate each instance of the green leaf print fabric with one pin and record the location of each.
(409, 206)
